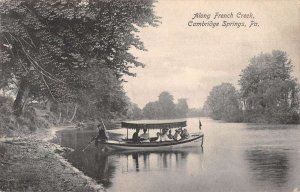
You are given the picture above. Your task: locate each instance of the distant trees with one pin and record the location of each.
(223, 101)
(182, 108)
(134, 112)
(153, 110)
(268, 93)
(194, 112)
(205, 110)
(165, 108)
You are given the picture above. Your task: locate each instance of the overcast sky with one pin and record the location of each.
(189, 61)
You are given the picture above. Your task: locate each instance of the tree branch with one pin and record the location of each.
(48, 87)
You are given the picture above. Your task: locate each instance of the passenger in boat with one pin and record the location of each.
(145, 136)
(158, 134)
(135, 136)
(164, 136)
(170, 136)
(184, 134)
(177, 136)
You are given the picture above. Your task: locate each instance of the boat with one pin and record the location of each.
(193, 140)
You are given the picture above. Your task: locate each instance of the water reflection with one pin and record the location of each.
(143, 161)
(102, 165)
(269, 165)
(270, 127)
(75, 139)
(94, 164)
(135, 157)
(238, 157)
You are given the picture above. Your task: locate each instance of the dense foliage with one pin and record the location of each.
(268, 93)
(71, 52)
(134, 112)
(223, 101)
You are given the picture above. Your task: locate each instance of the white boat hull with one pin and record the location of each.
(195, 140)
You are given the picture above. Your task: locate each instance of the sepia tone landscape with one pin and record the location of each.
(72, 68)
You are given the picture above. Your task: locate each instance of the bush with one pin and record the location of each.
(6, 118)
(33, 117)
(288, 118)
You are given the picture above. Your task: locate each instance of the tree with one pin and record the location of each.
(205, 111)
(223, 101)
(269, 92)
(105, 98)
(47, 45)
(153, 110)
(133, 111)
(182, 108)
(165, 100)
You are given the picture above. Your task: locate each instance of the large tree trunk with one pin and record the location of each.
(21, 95)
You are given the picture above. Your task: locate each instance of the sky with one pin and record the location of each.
(188, 61)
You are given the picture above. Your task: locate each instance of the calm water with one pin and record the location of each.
(235, 157)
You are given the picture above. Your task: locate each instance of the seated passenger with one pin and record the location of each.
(158, 137)
(177, 136)
(170, 136)
(135, 136)
(145, 136)
(164, 136)
(184, 134)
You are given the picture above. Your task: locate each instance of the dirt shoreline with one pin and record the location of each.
(32, 163)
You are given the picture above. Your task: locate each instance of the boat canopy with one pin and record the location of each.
(153, 124)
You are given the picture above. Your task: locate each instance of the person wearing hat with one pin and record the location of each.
(170, 134)
(145, 136)
(164, 136)
(177, 136)
(102, 136)
(184, 134)
(135, 136)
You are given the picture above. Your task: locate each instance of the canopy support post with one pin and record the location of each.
(160, 134)
(127, 133)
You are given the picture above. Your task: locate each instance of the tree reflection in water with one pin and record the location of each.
(269, 166)
(102, 165)
(94, 164)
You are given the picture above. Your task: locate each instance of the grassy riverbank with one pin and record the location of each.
(32, 163)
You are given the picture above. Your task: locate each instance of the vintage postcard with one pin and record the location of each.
(150, 95)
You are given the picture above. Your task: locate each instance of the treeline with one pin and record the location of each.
(163, 108)
(268, 93)
(69, 57)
